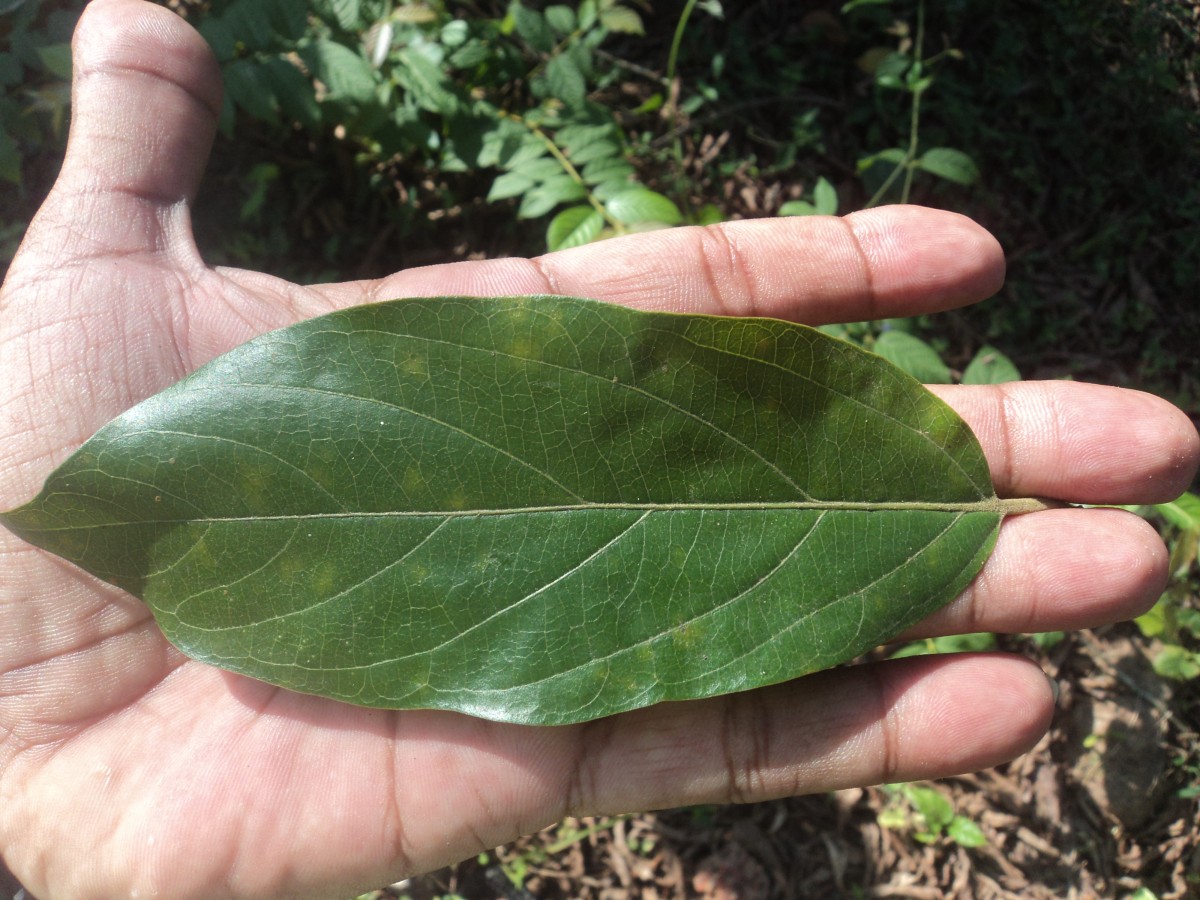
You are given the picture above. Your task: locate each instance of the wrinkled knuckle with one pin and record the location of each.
(544, 269)
(866, 267)
(746, 732)
(581, 792)
(1005, 413)
(725, 270)
(890, 724)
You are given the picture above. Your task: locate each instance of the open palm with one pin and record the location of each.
(126, 769)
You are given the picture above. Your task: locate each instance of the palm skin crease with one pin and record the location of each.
(126, 770)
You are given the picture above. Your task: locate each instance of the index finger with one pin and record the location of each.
(879, 263)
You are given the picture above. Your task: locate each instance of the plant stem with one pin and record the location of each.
(672, 94)
(914, 124)
(568, 167)
(915, 118)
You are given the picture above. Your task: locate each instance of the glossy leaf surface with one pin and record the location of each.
(535, 509)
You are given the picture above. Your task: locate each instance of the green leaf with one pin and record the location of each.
(636, 205)
(1183, 512)
(914, 356)
(596, 150)
(561, 19)
(891, 157)
(550, 193)
(428, 84)
(607, 170)
(1155, 621)
(573, 137)
(1177, 663)
(587, 14)
(622, 19)
(293, 91)
(934, 808)
(965, 833)
(953, 165)
(990, 366)
(708, 214)
(825, 198)
(247, 85)
(220, 38)
(566, 81)
(347, 13)
(574, 227)
(531, 26)
(797, 208)
(56, 59)
(533, 509)
(510, 184)
(346, 74)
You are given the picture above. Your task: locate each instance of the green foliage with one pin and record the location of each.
(450, 502)
(895, 341)
(1174, 621)
(908, 70)
(824, 202)
(912, 355)
(35, 73)
(929, 816)
(979, 642)
(457, 92)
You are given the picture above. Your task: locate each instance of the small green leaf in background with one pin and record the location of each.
(797, 208)
(637, 205)
(574, 227)
(934, 808)
(56, 59)
(825, 198)
(953, 165)
(977, 642)
(510, 184)
(345, 12)
(533, 509)
(346, 74)
(542, 198)
(990, 366)
(427, 83)
(965, 832)
(1044, 640)
(1182, 512)
(622, 19)
(247, 86)
(824, 202)
(531, 27)
(914, 356)
(293, 91)
(1155, 621)
(567, 83)
(561, 19)
(1177, 663)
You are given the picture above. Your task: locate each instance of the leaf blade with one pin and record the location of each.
(396, 524)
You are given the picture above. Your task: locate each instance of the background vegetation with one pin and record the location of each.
(363, 136)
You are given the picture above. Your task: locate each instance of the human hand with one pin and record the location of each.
(125, 768)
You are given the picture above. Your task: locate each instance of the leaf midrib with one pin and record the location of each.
(1002, 507)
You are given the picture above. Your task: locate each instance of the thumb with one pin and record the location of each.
(145, 101)
(91, 299)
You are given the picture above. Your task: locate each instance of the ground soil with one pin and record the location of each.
(1103, 806)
